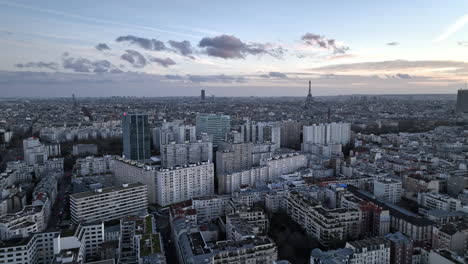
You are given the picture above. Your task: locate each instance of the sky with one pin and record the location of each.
(231, 48)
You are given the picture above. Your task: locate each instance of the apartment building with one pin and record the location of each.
(108, 203)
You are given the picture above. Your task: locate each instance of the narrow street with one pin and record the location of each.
(61, 209)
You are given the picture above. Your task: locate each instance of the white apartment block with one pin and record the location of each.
(321, 223)
(90, 166)
(233, 157)
(184, 183)
(24, 223)
(388, 190)
(168, 186)
(337, 133)
(51, 247)
(34, 152)
(233, 182)
(432, 200)
(284, 164)
(262, 132)
(178, 154)
(53, 149)
(324, 150)
(91, 237)
(129, 171)
(108, 203)
(375, 250)
(210, 207)
(39, 248)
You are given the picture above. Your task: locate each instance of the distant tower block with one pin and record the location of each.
(202, 96)
(75, 104)
(310, 99)
(462, 101)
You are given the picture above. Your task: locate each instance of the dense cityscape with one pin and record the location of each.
(233, 132)
(339, 179)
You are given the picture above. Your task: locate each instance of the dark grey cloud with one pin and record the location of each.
(85, 65)
(222, 78)
(102, 47)
(144, 43)
(183, 47)
(231, 47)
(274, 75)
(403, 76)
(463, 43)
(116, 70)
(324, 43)
(134, 58)
(165, 62)
(393, 43)
(48, 65)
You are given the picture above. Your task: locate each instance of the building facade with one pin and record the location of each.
(108, 203)
(136, 136)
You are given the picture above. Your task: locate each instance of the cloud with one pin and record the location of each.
(163, 62)
(102, 47)
(41, 64)
(222, 78)
(324, 43)
(453, 28)
(403, 76)
(393, 43)
(144, 43)
(173, 77)
(84, 65)
(231, 47)
(274, 75)
(463, 43)
(183, 47)
(454, 70)
(134, 58)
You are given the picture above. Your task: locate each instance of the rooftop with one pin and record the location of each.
(106, 190)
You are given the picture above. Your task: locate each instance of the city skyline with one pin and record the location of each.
(235, 49)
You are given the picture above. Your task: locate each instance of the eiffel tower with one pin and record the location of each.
(310, 99)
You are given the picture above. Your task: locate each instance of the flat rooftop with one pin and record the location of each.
(105, 190)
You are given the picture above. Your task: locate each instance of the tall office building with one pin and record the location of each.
(136, 136)
(202, 95)
(215, 125)
(462, 101)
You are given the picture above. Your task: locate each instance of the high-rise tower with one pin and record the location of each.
(215, 125)
(310, 99)
(202, 95)
(462, 101)
(136, 136)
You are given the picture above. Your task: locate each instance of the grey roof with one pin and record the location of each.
(105, 190)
